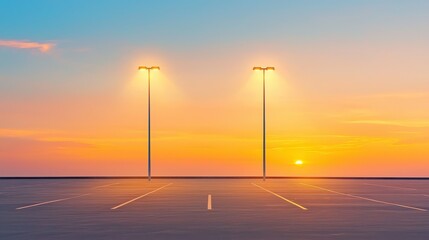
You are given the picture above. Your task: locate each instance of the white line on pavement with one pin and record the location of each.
(386, 186)
(209, 202)
(364, 198)
(281, 197)
(107, 185)
(53, 201)
(137, 198)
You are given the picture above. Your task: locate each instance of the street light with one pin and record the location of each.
(148, 116)
(263, 69)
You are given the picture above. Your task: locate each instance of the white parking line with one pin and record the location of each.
(364, 198)
(53, 201)
(386, 186)
(107, 185)
(281, 197)
(425, 195)
(62, 199)
(30, 185)
(137, 198)
(209, 202)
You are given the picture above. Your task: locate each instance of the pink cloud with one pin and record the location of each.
(42, 47)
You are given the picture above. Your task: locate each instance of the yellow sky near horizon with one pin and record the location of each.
(344, 136)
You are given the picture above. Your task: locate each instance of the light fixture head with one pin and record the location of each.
(149, 68)
(264, 68)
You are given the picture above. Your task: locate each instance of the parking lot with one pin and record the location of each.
(214, 209)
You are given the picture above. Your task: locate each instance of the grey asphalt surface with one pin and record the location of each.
(241, 209)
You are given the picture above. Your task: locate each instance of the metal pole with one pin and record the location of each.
(263, 126)
(148, 126)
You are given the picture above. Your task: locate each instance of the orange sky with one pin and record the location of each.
(196, 132)
(345, 103)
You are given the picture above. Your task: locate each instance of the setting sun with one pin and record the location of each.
(299, 162)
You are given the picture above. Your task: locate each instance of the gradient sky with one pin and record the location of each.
(349, 97)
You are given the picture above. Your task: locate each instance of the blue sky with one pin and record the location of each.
(110, 30)
(189, 23)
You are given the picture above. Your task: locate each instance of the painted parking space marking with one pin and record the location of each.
(62, 199)
(29, 185)
(52, 201)
(281, 197)
(364, 198)
(388, 186)
(107, 185)
(209, 202)
(137, 198)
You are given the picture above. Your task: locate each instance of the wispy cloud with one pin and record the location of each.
(395, 95)
(328, 144)
(411, 124)
(42, 47)
(5, 132)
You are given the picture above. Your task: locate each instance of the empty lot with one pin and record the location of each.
(214, 209)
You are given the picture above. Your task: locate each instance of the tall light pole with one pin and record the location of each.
(263, 69)
(148, 116)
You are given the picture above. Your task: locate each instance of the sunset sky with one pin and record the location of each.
(349, 97)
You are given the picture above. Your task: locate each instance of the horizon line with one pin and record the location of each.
(211, 177)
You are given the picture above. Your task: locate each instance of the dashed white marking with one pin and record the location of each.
(137, 198)
(209, 202)
(364, 198)
(281, 197)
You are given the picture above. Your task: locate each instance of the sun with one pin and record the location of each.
(299, 162)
